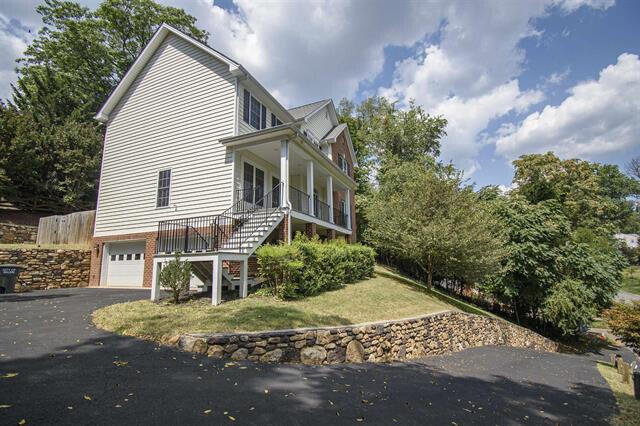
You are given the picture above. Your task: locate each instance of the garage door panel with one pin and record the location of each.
(126, 264)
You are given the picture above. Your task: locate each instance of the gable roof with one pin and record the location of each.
(304, 111)
(332, 137)
(141, 61)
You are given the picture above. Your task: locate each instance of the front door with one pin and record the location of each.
(253, 185)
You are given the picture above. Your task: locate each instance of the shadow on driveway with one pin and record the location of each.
(62, 361)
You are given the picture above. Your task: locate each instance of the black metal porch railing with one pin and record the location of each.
(340, 218)
(321, 210)
(299, 200)
(226, 231)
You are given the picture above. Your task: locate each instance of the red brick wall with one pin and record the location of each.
(341, 147)
(98, 247)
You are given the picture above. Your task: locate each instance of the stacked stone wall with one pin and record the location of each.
(434, 334)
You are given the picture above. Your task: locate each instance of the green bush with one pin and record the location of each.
(175, 277)
(309, 266)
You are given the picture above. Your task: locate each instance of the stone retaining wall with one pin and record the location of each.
(49, 268)
(11, 233)
(434, 334)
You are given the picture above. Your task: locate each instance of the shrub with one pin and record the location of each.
(176, 276)
(280, 266)
(309, 266)
(624, 321)
(569, 306)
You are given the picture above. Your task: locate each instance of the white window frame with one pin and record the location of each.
(266, 118)
(262, 169)
(342, 161)
(170, 170)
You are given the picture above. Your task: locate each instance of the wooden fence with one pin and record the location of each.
(74, 228)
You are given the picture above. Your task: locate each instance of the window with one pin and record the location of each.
(137, 256)
(342, 163)
(121, 257)
(129, 256)
(164, 182)
(274, 120)
(245, 109)
(254, 113)
(275, 196)
(253, 182)
(113, 257)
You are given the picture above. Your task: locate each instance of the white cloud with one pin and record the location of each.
(598, 117)
(558, 77)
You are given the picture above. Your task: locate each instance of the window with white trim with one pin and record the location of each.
(342, 163)
(164, 185)
(274, 120)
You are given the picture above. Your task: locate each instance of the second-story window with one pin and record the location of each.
(164, 185)
(253, 112)
(342, 163)
(274, 120)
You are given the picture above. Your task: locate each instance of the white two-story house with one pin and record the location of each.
(199, 158)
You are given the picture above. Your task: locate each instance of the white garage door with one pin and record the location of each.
(126, 264)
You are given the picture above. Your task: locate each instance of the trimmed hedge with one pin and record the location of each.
(308, 267)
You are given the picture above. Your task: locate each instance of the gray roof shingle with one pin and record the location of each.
(303, 110)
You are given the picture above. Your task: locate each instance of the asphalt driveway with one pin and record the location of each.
(69, 372)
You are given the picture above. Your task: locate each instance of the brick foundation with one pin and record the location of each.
(310, 229)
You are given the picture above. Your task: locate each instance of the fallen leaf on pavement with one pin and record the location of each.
(87, 397)
(9, 375)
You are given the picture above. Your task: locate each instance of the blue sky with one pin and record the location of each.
(511, 77)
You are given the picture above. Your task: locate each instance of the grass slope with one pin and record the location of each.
(629, 413)
(376, 299)
(631, 279)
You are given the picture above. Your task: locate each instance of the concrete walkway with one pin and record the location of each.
(68, 372)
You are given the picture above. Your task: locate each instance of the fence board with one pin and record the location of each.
(73, 228)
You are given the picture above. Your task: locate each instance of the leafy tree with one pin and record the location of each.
(175, 276)
(94, 49)
(422, 213)
(49, 153)
(553, 276)
(591, 195)
(633, 168)
(383, 135)
(624, 321)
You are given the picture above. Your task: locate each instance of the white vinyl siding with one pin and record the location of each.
(319, 124)
(172, 117)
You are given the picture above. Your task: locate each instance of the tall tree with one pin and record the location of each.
(591, 195)
(422, 213)
(50, 146)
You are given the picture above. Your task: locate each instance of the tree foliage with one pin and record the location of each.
(421, 212)
(50, 146)
(624, 321)
(552, 276)
(591, 195)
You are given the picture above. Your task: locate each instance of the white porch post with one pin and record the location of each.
(244, 272)
(216, 281)
(347, 205)
(310, 187)
(330, 196)
(284, 173)
(155, 281)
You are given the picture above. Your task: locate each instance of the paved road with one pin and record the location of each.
(62, 361)
(626, 296)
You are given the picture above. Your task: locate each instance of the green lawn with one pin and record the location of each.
(631, 279)
(629, 406)
(375, 299)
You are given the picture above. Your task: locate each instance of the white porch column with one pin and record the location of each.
(347, 205)
(310, 187)
(284, 173)
(244, 272)
(330, 196)
(216, 281)
(155, 281)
